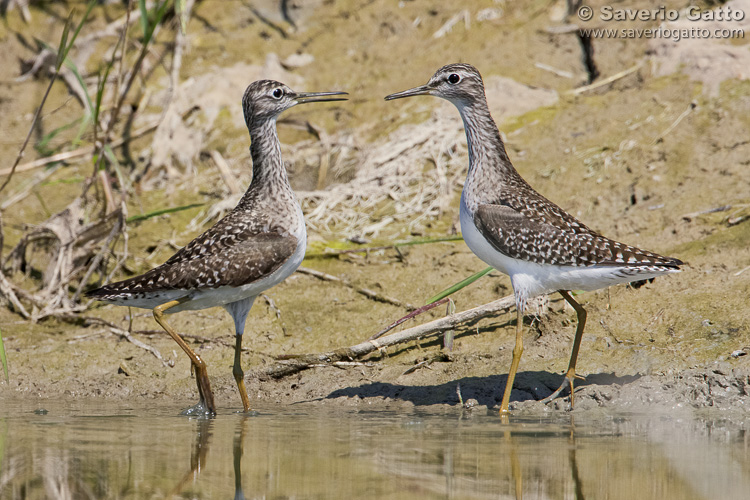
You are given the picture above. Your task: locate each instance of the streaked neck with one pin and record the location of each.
(486, 148)
(490, 169)
(265, 149)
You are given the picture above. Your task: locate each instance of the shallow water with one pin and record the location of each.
(91, 450)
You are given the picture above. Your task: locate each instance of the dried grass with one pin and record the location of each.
(407, 178)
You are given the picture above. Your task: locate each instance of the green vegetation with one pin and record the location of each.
(458, 286)
(162, 211)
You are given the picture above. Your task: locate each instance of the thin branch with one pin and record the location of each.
(124, 48)
(84, 151)
(62, 53)
(6, 289)
(12, 169)
(285, 13)
(305, 361)
(553, 70)
(396, 246)
(29, 187)
(661, 136)
(120, 99)
(692, 215)
(278, 29)
(226, 173)
(615, 77)
(409, 316)
(117, 228)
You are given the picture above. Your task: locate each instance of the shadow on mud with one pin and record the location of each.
(487, 391)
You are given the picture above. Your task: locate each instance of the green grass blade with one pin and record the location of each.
(41, 146)
(72, 67)
(64, 44)
(458, 286)
(121, 179)
(144, 17)
(62, 48)
(425, 241)
(181, 12)
(159, 13)
(69, 180)
(100, 87)
(155, 213)
(89, 105)
(3, 359)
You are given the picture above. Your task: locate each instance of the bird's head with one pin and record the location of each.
(459, 83)
(267, 99)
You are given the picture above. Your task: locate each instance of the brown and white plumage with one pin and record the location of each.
(251, 243)
(506, 223)
(256, 246)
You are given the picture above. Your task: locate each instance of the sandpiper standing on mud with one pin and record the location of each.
(256, 246)
(521, 233)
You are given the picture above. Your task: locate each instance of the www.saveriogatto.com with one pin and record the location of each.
(691, 22)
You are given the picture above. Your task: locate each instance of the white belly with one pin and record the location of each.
(530, 279)
(211, 297)
(220, 296)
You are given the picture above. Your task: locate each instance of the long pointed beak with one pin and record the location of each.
(305, 97)
(421, 90)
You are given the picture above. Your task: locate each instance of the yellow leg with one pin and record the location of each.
(570, 375)
(239, 375)
(201, 372)
(517, 351)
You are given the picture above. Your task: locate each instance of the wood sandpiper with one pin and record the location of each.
(256, 246)
(521, 233)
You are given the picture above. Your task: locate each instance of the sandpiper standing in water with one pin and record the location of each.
(256, 246)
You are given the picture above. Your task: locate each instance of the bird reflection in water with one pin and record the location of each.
(237, 450)
(515, 462)
(199, 455)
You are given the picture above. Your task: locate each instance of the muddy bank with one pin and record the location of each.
(654, 159)
(653, 365)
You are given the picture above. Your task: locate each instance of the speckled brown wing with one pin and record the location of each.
(520, 237)
(233, 260)
(245, 261)
(520, 196)
(236, 228)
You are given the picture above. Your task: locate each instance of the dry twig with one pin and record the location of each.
(126, 335)
(687, 111)
(409, 316)
(303, 362)
(80, 152)
(607, 81)
(226, 173)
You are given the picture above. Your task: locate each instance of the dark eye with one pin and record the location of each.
(454, 78)
(277, 93)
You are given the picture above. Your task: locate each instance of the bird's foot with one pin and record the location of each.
(200, 410)
(568, 382)
(248, 413)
